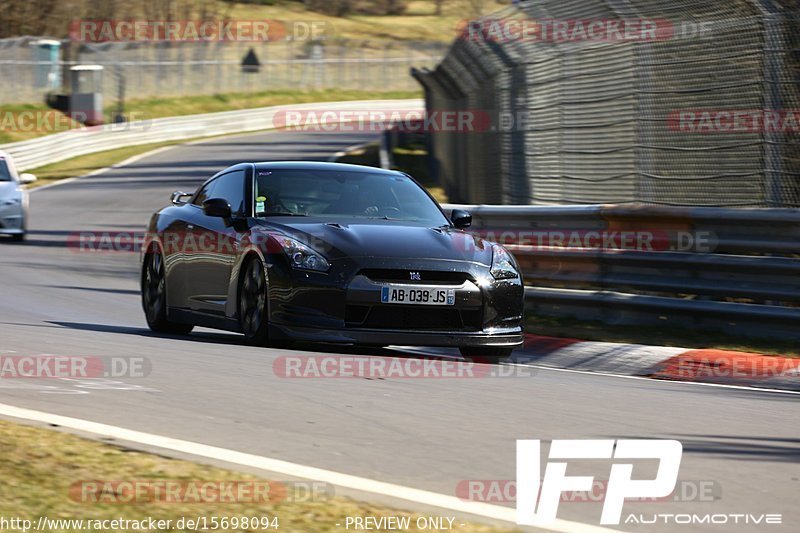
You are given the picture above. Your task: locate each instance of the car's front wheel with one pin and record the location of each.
(489, 355)
(154, 297)
(253, 303)
(18, 237)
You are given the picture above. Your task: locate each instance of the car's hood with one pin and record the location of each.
(8, 189)
(383, 239)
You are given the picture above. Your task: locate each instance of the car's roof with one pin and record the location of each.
(318, 165)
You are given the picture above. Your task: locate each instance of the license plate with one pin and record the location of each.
(411, 295)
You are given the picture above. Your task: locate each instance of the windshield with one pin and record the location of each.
(342, 194)
(5, 175)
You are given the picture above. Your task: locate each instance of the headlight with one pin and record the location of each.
(301, 256)
(11, 201)
(503, 264)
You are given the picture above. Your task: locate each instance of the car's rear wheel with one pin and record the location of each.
(154, 297)
(253, 303)
(489, 355)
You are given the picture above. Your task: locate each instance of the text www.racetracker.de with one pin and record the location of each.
(198, 523)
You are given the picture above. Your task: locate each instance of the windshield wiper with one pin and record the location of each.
(281, 215)
(391, 219)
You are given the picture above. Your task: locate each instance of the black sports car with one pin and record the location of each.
(331, 253)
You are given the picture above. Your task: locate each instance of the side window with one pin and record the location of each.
(204, 193)
(5, 173)
(230, 187)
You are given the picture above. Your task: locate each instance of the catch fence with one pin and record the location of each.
(702, 111)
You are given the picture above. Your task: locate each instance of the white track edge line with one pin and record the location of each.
(505, 514)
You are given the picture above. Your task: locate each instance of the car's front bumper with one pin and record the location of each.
(12, 219)
(511, 338)
(344, 306)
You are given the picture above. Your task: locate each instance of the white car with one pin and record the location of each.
(13, 199)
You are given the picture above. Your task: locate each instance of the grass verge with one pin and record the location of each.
(21, 122)
(82, 165)
(419, 22)
(42, 472)
(192, 105)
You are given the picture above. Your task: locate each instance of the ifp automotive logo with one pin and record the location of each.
(620, 482)
(538, 499)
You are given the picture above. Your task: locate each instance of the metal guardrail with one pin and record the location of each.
(60, 146)
(635, 265)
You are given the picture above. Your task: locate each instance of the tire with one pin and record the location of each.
(488, 355)
(154, 297)
(253, 303)
(24, 227)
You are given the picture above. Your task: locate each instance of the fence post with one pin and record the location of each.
(774, 47)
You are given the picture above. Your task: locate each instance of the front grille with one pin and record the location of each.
(428, 277)
(412, 318)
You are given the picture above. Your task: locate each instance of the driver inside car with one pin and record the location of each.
(376, 201)
(268, 200)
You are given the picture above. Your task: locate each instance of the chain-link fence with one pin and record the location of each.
(699, 106)
(29, 69)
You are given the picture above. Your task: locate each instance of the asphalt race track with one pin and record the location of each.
(429, 434)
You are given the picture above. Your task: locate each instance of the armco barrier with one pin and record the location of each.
(60, 146)
(740, 273)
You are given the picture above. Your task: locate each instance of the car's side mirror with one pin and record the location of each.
(217, 207)
(26, 179)
(177, 197)
(461, 219)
